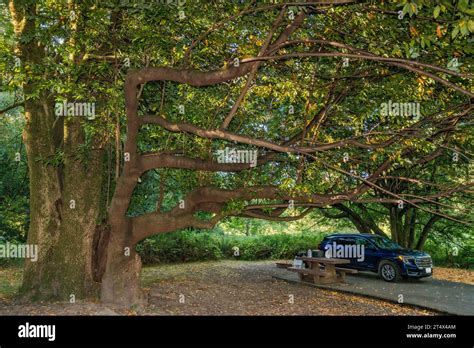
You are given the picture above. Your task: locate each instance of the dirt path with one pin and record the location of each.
(224, 288)
(247, 288)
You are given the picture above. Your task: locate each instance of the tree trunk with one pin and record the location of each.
(406, 227)
(426, 230)
(121, 281)
(411, 235)
(399, 223)
(45, 201)
(371, 223)
(64, 207)
(394, 224)
(64, 197)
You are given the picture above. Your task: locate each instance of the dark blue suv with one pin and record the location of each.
(368, 252)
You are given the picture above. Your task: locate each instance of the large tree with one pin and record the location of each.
(301, 84)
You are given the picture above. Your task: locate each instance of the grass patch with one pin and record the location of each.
(10, 280)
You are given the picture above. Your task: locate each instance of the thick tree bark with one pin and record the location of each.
(121, 282)
(64, 208)
(64, 199)
(45, 202)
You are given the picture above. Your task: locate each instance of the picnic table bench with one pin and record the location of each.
(283, 264)
(322, 270)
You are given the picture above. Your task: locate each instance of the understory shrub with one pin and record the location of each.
(189, 245)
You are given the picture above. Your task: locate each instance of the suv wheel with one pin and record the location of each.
(389, 271)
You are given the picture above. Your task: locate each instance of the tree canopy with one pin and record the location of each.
(250, 109)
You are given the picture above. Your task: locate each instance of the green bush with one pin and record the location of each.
(444, 256)
(180, 247)
(188, 245)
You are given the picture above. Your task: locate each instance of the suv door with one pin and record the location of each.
(370, 252)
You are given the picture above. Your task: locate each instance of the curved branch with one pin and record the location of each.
(220, 134)
(263, 216)
(164, 160)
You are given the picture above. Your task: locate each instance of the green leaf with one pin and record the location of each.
(455, 32)
(406, 9)
(464, 29)
(436, 11)
(470, 25)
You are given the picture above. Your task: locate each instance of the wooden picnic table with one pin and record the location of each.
(323, 270)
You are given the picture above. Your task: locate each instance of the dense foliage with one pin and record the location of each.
(308, 87)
